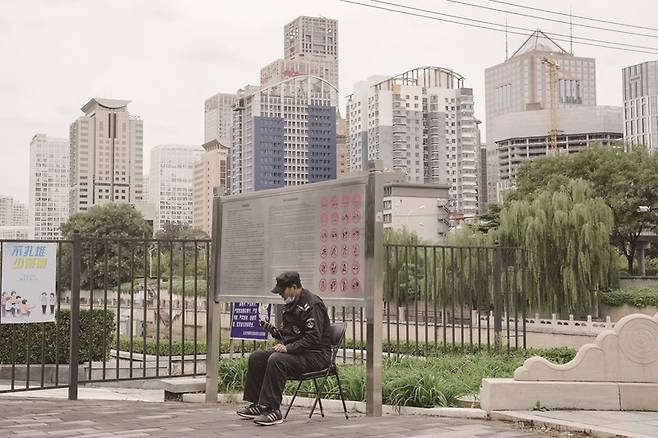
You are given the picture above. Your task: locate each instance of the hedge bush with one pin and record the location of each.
(97, 330)
(635, 297)
(558, 355)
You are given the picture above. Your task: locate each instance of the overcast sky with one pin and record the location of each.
(167, 56)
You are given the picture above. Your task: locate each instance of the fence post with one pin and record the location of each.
(74, 342)
(213, 316)
(498, 297)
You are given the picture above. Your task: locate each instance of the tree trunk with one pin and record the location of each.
(630, 258)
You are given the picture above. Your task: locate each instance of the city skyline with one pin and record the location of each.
(204, 57)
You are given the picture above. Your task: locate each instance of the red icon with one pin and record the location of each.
(334, 235)
(344, 268)
(333, 268)
(356, 250)
(333, 284)
(334, 201)
(334, 218)
(356, 216)
(356, 233)
(343, 285)
(323, 235)
(356, 285)
(345, 234)
(356, 199)
(346, 218)
(323, 285)
(345, 251)
(334, 252)
(356, 267)
(323, 268)
(324, 218)
(345, 200)
(323, 252)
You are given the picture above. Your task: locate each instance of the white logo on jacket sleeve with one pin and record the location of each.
(310, 323)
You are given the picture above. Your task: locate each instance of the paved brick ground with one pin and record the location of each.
(102, 418)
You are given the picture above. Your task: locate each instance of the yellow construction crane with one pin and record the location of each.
(553, 68)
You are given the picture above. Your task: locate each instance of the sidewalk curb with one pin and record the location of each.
(560, 425)
(335, 406)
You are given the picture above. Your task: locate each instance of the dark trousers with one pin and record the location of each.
(268, 372)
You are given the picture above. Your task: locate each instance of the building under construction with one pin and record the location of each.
(540, 101)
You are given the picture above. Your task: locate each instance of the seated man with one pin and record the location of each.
(304, 346)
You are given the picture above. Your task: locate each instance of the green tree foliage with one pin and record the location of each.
(174, 255)
(623, 180)
(108, 261)
(566, 235)
(490, 219)
(405, 265)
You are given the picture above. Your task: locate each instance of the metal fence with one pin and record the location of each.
(137, 309)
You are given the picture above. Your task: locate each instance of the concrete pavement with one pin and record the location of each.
(119, 418)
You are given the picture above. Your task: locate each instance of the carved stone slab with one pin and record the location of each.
(627, 353)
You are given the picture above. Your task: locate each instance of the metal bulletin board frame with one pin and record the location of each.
(331, 232)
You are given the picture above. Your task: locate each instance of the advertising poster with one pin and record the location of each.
(245, 319)
(28, 282)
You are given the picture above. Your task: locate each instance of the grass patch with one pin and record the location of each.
(176, 286)
(410, 381)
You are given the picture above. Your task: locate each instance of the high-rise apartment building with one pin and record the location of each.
(12, 212)
(171, 181)
(210, 180)
(218, 115)
(522, 84)
(106, 155)
(284, 135)
(284, 131)
(313, 40)
(13, 219)
(640, 87)
(49, 186)
(420, 123)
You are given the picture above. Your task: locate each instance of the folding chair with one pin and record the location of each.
(336, 334)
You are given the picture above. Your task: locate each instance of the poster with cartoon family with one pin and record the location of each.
(28, 293)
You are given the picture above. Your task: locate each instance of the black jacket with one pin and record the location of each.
(305, 325)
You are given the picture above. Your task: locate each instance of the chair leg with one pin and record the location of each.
(293, 399)
(319, 395)
(342, 399)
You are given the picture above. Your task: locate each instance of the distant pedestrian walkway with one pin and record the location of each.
(113, 418)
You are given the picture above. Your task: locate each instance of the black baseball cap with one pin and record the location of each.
(287, 279)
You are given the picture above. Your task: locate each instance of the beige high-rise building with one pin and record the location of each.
(171, 181)
(420, 123)
(218, 115)
(106, 155)
(49, 186)
(315, 41)
(13, 219)
(210, 180)
(522, 84)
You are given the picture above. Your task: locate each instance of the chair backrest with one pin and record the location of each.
(336, 335)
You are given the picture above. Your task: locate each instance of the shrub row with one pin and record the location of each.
(50, 341)
(638, 298)
(557, 355)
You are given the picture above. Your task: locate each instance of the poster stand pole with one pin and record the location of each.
(374, 284)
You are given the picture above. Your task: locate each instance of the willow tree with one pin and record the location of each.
(566, 234)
